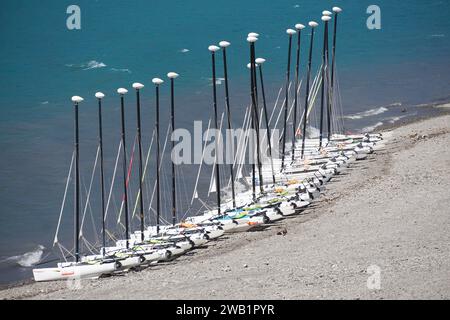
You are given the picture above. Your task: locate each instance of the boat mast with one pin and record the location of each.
(254, 94)
(122, 92)
(157, 82)
(213, 50)
(252, 37)
(290, 33)
(299, 28)
(259, 63)
(224, 45)
(76, 100)
(336, 11)
(172, 76)
(325, 19)
(252, 123)
(139, 86)
(312, 24)
(100, 96)
(250, 40)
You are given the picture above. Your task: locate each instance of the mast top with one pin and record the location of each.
(337, 9)
(224, 44)
(252, 39)
(172, 75)
(291, 32)
(99, 95)
(299, 26)
(313, 24)
(138, 85)
(157, 81)
(260, 60)
(77, 99)
(122, 91)
(327, 13)
(213, 48)
(326, 18)
(253, 34)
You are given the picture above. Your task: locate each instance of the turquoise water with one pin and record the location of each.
(43, 64)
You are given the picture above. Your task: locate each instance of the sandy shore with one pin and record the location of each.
(388, 213)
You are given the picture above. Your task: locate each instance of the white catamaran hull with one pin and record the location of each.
(82, 271)
(241, 226)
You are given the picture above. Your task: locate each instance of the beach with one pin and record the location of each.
(387, 216)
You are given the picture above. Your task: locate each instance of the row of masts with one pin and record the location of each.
(326, 97)
(122, 92)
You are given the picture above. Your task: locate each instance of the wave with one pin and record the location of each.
(120, 70)
(372, 128)
(372, 112)
(438, 35)
(93, 64)
(395, 119)
(27, 259)
(368, 113)
(184, 50)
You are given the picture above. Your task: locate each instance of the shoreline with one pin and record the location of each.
(235, 247)
(438, 109)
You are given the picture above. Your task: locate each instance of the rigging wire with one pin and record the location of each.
(68, 179)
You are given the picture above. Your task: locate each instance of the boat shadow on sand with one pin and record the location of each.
(262, 227)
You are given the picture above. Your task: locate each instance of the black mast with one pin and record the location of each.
(157, 83)
(336, 11)
(255, 112)
(139, 86)
(122, 92)
(260, 62)
(249, 65)
(172, 76)
(312, 24)
(76, 100)
(299, 28)
(252, 40)
(213, 50)
(224, 45)
(325, 19)
(100, 96)
(290, 33)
